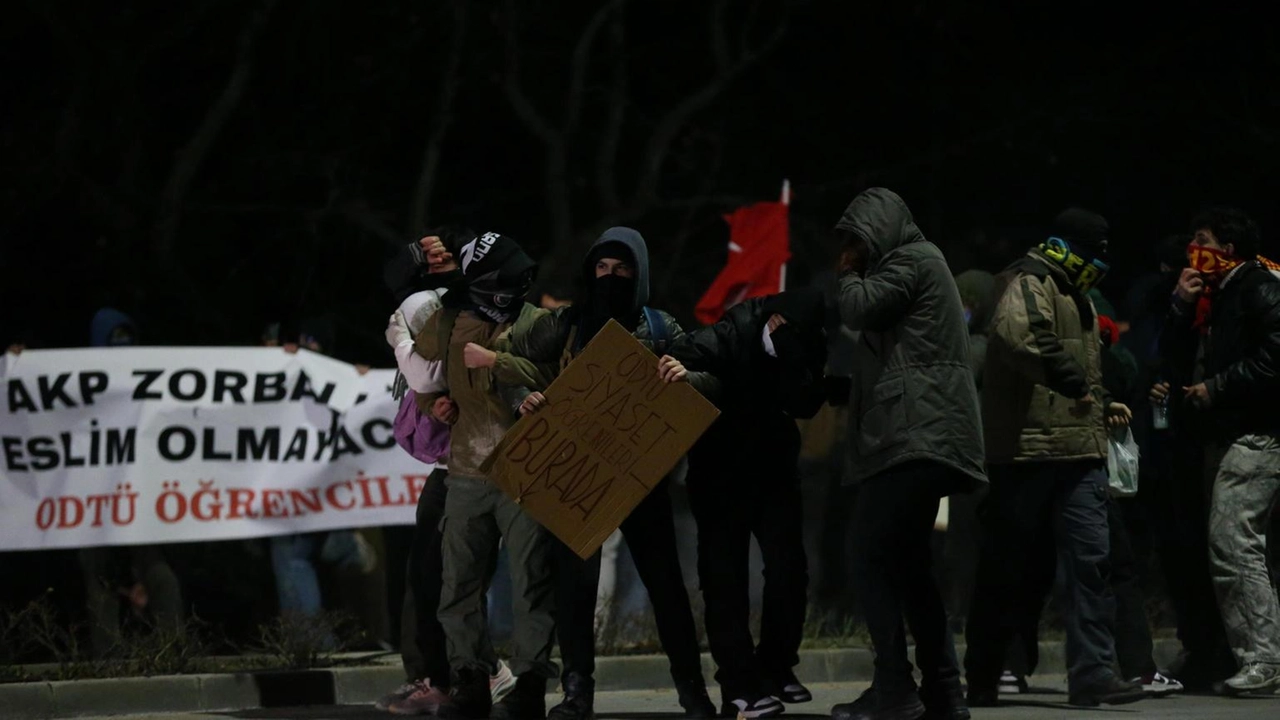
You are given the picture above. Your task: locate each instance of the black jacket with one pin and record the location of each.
(1241, 361)
(760, 396)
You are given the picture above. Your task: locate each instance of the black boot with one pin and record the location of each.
(695, 701)
(1111, 691)
(874, 705)
(579, 699)
(944, 701)
(470, 698)
(526, 701)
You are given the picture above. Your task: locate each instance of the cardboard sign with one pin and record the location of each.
(611, 431)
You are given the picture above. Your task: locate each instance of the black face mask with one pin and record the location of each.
(613, 296)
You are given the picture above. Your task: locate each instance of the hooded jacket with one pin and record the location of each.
(105, 322)
(913, 393)
(1041, 358)
(550, 344)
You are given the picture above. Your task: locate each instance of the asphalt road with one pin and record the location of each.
(1047, 701)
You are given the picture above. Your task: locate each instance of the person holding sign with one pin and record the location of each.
(769, 354)
(615, 285)
(481, 310)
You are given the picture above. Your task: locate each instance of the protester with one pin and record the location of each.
(481, 306)
(614, 286)
(138, 573)
(294, 557)
(1224, 336)
(1175, 486)
(914, 439)
(768, 353)
(977, 293)
(1045, 415)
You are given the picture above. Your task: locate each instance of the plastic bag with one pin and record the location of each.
(1122, 465)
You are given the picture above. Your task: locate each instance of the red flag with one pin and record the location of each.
(759, 246)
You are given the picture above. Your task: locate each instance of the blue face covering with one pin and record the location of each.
(968, 316)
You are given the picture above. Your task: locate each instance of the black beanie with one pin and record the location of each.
(1082, 229)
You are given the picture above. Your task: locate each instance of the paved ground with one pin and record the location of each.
(1047, 702)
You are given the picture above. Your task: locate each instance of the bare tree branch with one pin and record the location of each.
(674, 121)
(420, 201)
(720, 37)
(520, 102)
(693, 207)
(578, 67)
(607, 154)
(192, 155)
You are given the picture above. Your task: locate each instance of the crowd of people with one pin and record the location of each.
(1001, 393)
(1012, 389)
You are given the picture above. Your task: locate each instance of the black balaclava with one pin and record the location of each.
(608, 297)
(496, 275)
(805, 312)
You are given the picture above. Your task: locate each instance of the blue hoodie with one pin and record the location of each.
(104, 323)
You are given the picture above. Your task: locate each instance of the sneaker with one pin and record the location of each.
(400, 693)
(784, 686)
(1254, 677)
(1011, 684)
(424, 700)
(470, 698)
(695, 700)
(579, 699)
(1112, 691)
(1158, 685)
(501, 682)
(873, 705)
(526, 701)
(752, 706)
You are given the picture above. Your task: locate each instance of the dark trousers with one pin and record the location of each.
(650, 533)
(1069, 500)
(422, 642)
(731, 503)
(893, 519)
(1134, 646)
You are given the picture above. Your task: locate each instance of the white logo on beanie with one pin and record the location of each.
(475, 250)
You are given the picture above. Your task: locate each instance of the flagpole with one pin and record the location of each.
(786, 200)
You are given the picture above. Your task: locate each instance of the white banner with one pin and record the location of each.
(123, 446)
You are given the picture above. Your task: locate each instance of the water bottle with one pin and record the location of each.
(1160, 412)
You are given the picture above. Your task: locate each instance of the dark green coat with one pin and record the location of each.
(913, 392)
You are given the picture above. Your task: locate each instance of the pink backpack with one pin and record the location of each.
(421, 435)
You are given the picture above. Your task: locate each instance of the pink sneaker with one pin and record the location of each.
(424, 700)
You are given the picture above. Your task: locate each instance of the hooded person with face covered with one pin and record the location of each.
(1045, 416)
(768, 354)
(483, 305)
(914, 439)
(614, 285)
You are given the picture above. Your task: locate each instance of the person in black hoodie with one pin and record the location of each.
(614, 286)
(1223, 334)
(769, 355)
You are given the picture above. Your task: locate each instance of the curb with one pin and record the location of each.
(363, 685)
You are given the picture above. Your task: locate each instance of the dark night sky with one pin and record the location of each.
(987, 120)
